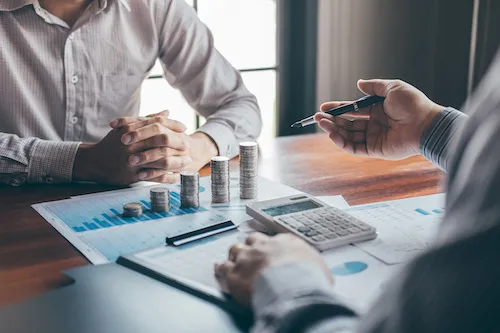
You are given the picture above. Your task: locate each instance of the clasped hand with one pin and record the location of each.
(153, 148)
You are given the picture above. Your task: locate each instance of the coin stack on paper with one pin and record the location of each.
(220, 179)
(132, 209)
(190, 189)
(160, 199)
(249, 152)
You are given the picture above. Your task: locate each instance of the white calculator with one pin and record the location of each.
(323, 226)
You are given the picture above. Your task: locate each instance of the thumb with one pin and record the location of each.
(164, 113)
(376, 87)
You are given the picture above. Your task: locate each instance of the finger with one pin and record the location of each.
(132, 124)
(358, 149)
(221, 272)
(167, 178)
(171, 163)
(256, 237)
(164, 113)
(155, 174)
(376, 87)
(234, 251)
(120, 122)
(155, 154)
(153, 137)
(327, 125)
(357, 125)
(330, 105)
(354, 137)
(155, 122)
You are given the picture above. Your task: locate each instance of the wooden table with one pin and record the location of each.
(32, 253)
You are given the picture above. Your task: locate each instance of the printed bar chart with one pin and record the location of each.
(89, 214)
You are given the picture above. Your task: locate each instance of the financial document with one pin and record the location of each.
(405, 227)
(95, 226)
(358, 277)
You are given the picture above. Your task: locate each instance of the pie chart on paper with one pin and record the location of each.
(349, 268)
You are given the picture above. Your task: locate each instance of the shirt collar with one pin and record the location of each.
(11, 5)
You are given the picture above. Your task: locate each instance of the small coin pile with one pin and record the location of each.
(160, 199)
(132, 209)
(220, 179)
(249, 152)
(190, 189)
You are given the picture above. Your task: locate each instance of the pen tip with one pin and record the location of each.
(295, 125)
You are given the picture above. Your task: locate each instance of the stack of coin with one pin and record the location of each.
(160, 199)
(220, 179)
(190, 189)
(249, 152)
(132, 209)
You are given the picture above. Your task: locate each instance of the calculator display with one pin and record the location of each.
(292, 208)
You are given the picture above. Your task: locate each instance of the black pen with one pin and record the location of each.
(363, 102)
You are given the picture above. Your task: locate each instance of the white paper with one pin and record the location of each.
(405, 227)
(93, 223)
(335, 201)
(358, 277)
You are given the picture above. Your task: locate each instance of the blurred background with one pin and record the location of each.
(295, 54)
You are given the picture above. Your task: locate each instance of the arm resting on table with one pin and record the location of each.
(35, 161)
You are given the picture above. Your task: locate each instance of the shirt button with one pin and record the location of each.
(71, 36)
(17, 181)
(74, 79)
(74, 120)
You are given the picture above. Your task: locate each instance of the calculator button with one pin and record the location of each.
(311, 233)
(322, 230)
(344, 226)
(364, 227)
(319, 238)
(342, 233)
(324, 223)
(331, 235)
(337, 222)
(354, 230)
(304, 229)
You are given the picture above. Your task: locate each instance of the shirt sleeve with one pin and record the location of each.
(436, 292)
(33, 160)
(206, 79)
(435, 142)
(297, 297)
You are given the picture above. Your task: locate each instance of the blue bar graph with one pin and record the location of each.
(437, 211)
(94, 214)
(421, 211)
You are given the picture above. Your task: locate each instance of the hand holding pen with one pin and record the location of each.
(390, 130)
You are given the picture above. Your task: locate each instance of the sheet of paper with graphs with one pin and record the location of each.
(405, 227)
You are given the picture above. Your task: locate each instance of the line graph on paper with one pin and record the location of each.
(95, 226)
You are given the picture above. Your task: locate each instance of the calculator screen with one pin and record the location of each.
(292, 208)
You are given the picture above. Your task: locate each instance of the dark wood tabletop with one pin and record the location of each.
(32, 253)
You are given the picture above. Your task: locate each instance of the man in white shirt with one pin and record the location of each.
(70, 70)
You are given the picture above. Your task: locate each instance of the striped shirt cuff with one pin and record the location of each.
(52, 162)
(223, 137)
(435, 141)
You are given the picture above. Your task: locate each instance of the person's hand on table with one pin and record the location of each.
(246, 262)
(390, 130)
(153, 148)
